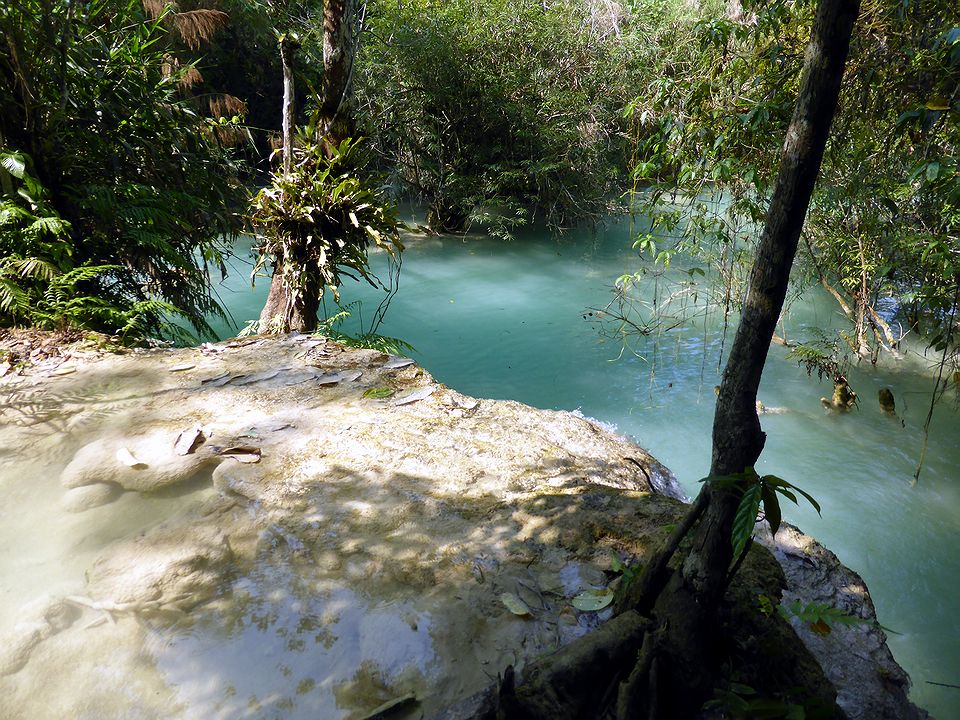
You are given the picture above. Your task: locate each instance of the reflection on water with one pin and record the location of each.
(285, 643)
(506, 321)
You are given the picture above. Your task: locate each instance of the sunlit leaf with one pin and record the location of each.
(592, 600)
(242, 453)
(745, 518)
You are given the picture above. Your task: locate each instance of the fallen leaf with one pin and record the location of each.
(65, 370)
(242, 453)
(820, 627)
(342, 376)
(416, 395)
(395, 363)
(592, 600)
(215, 380)
(515, 604)
(256, 377)
(188, 440)
(181, 367)
(378, 393)
(128, 459)
(301, 377)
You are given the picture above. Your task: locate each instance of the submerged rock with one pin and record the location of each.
(338, 539)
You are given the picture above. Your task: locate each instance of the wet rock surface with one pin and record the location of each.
(285, 527)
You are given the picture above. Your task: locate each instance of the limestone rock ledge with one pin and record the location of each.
(287, 526)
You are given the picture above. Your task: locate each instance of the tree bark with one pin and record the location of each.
(692, 596)
(675, 671)
(337, 120)
(336, 123)
(281, 313)
(287, 49)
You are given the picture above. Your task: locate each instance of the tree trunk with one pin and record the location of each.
(676, 667)
(336, 123)
(687, 605)
(337, 120)
(281, 313)
(737, 437)
(287, 49)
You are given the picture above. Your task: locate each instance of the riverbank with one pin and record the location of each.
(241, 525)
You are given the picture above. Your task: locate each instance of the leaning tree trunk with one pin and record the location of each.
(677, 664)
(737, 437)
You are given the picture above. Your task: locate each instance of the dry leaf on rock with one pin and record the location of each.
(395, 363)
(256, 377)
(592, 600)
(416, 395)
(188, 441)
(217, 380)
(127, 458)
(515, 605)
(242, 453)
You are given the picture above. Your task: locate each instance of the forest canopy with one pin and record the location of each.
(136, 134)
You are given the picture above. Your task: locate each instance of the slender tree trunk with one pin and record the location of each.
(692, 596)
(280, 313)
(336, 124)
(287, 50)
(676, 667)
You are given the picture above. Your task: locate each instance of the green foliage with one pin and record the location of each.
(367, 338)
(758, 491)
(820, 617)
(40, 285)
(113, 162)
(742, 702)
(320, 220)
(884, 220)
(821, 356)
(502, 112)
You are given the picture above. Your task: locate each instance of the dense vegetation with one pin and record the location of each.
(884, 222)
(502, 115)
(117, 191)
(122, 179)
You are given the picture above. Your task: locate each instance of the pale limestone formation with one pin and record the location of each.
(339, 536)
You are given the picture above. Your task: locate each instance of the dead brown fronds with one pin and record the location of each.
(226, 106)
(198, 26)
(276, 140)
(169, 66)
(155, 8)
(190, 78)
(231, 135)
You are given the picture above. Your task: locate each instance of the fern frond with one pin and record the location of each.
(33, 267)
